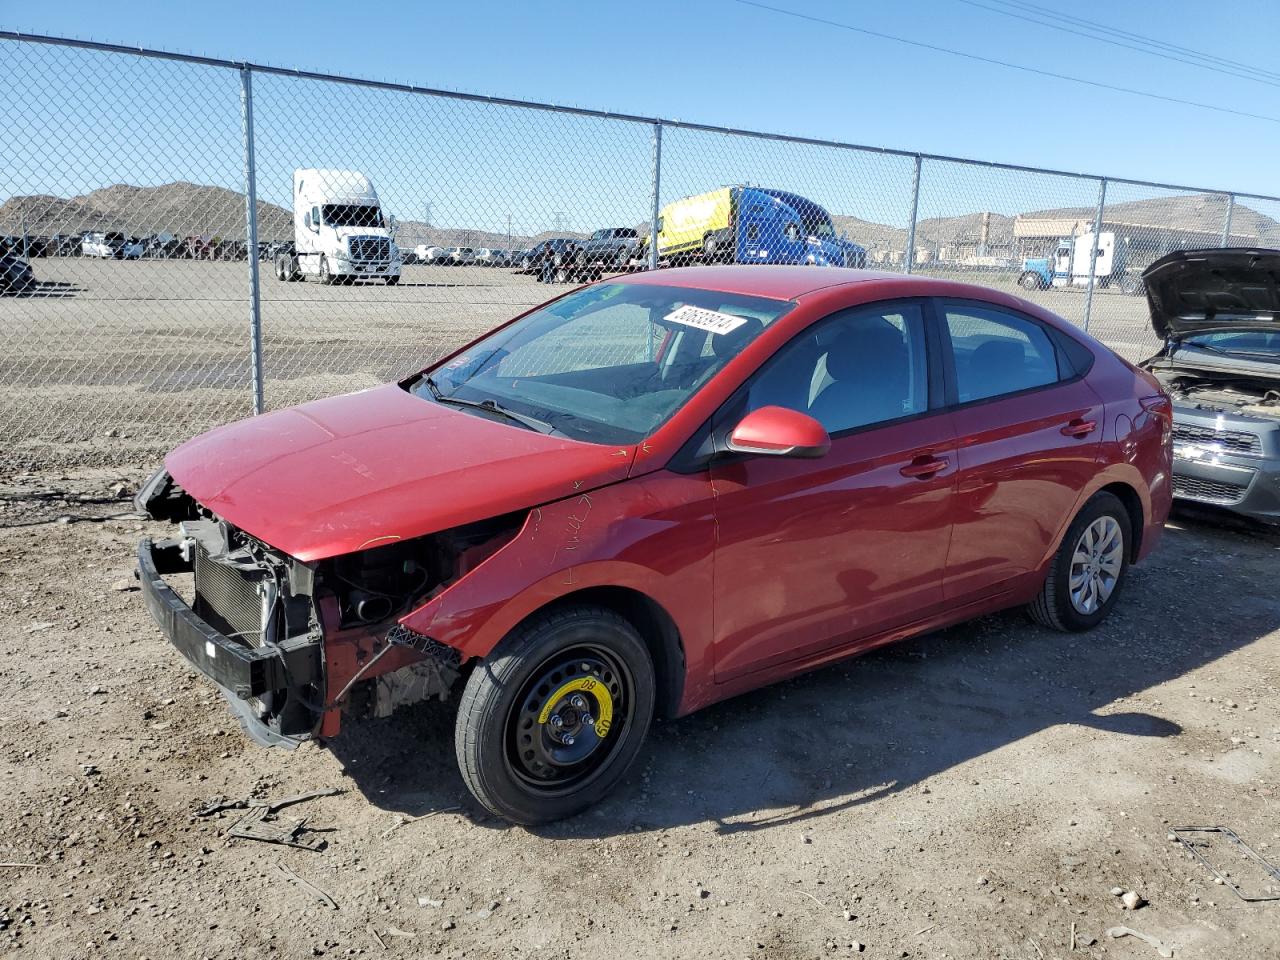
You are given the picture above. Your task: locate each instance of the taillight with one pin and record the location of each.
(1160, 406)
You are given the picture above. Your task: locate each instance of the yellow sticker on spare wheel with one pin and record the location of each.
(598, 691)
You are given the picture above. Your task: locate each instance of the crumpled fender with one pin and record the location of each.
(652, 534)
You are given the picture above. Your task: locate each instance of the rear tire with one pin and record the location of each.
(525, 747)
(710, 249)
(392, 281)
(1130, 286)
(1087, 572)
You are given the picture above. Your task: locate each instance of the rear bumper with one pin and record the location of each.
(244, 671)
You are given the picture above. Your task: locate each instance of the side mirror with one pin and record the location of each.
(306, 220)
(392, 225)
(779, 432)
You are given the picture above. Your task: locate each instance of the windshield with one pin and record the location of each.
(820, 227)
(608, 364)
(351, 215)
(1263, 344)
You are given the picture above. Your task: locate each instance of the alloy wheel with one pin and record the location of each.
(1096, 563)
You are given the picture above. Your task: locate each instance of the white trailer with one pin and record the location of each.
(340, 232)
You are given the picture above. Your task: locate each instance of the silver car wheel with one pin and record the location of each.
(1096, 564)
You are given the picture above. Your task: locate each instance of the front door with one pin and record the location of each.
(814, 554)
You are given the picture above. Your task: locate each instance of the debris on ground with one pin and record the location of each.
(308, 886)
(261, 823)
(402, 821)
(1132, 900)
(1115, 933)
(1197, 839)
(258, 824)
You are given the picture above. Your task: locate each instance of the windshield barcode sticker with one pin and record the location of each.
(708, 320)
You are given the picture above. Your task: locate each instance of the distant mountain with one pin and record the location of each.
(183, 209)
(1196, 212)
(190, 209)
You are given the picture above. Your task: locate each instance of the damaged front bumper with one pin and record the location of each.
(257, 681)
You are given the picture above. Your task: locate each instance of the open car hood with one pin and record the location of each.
(1195, 291)
(366, 469)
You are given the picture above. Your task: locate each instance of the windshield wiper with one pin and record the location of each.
(1230, 353)
(489, 405)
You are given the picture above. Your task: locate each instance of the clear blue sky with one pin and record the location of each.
(718, 61)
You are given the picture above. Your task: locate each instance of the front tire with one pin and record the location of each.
(553, 719)
(325, 276)
(1088, 570)
(1031, 281)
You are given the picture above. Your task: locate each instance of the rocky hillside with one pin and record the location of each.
(189, 209)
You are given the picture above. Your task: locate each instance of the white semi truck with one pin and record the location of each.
(340, 232)
(1069, 265)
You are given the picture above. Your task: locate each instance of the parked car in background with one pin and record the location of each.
(65, 244)
(133, 249)
(162, 246)
(491, 257)
(753, 225)
(275, 248)
(460, 256)
(33, 246)
(408, 256)
(551, 259)
(649, 495)
(1218, 313)
(16, 275)
(612, 246)
(106, 245)
(517, 259)
(431, 255)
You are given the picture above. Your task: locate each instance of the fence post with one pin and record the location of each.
(1093, 251)
(1226, 220)
(909, 255)
(657, 196)
(251, 222)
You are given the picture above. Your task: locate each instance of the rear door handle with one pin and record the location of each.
(1079, 428)
(924, 467)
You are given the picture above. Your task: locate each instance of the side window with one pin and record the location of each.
(315, 216)
(853, 369)
(997, 352)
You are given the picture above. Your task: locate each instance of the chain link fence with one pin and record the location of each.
(209, 239)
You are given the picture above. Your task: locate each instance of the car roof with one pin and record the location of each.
(762, 280)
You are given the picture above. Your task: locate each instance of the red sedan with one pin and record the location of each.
(650, 494)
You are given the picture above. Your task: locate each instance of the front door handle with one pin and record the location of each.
(924, 467)
(1079, 428)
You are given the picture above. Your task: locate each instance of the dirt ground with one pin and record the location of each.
(976, 793)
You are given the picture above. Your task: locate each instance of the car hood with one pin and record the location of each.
(365, 469)
(1194, 291)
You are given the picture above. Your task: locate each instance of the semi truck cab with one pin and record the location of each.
(340, 231)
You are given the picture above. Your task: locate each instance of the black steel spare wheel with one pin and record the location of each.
(555, 716)
(568, 719)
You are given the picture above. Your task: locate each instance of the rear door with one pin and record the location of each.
(813, 554)
(1028, 429)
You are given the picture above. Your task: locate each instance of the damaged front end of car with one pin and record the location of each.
(295, 646)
